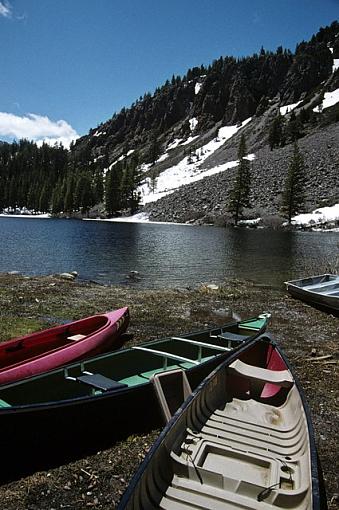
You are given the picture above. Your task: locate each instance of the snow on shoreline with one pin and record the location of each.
(318, 217)
(137, 218)
(26, 215)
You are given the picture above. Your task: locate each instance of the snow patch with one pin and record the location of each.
(174, 144)
(26, 215)
(288, 108)
(193, 123)
(322, 215)
(330, 99)
(189, 169)
(162, 158)
(197, 88)
(121, 158)
(189, 140)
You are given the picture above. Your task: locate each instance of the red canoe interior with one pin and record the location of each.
(265, 356)
(38, 343)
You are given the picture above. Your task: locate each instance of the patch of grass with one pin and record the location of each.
(12, 326)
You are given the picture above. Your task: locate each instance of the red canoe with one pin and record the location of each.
(44, 350)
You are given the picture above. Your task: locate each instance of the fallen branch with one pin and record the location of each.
(319, 358)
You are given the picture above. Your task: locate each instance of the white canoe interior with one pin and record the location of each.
(234, 448)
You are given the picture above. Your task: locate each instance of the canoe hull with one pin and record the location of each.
(55, 434)
(42, 351)
(320, 291)
(58, 431)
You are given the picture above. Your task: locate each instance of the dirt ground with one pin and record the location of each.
(98, 481)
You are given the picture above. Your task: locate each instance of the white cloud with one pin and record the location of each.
(37, 128)
(5, 9)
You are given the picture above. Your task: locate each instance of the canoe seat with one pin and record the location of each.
(133, 380)
(100, 382)
(76, 338)
(234, 337)
(280, 378)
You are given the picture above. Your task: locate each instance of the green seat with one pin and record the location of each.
(3, 403)
(150, 373)
(133, 380)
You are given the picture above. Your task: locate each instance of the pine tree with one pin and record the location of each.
(293, 195)
(154, 150)
(153, 179)
(133, 179)
(57, 200)
(113, 190)
(83, 193)
(98, 187)
(239, 194)
(69, 196)
(294, 128)
(44, 199)
(276, 132)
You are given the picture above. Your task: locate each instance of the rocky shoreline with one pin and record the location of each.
(98, 481)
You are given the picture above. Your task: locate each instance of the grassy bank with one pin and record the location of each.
(28, 304)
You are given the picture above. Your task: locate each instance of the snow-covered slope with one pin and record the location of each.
(190, 169)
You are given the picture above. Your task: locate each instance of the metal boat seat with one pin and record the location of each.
(234, 337)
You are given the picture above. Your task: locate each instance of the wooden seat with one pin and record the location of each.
(76, 338)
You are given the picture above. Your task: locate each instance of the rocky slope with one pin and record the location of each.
(206, 200)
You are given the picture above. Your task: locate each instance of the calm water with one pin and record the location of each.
(164, 255)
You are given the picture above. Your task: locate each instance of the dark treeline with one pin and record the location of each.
(55, 180)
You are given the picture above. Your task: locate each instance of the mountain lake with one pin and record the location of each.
(164, 255)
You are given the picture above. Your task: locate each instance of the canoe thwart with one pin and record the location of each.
(280, 378)
(171, 388)
(202, 344)
(100, 382)
(166, 354)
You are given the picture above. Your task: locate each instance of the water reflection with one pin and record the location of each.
(164, 255)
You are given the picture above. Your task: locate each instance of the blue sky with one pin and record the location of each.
(67, 65)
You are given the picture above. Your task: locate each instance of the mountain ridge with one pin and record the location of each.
(228, 92)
